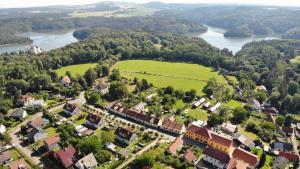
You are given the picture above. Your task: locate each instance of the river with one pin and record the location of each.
(215, 37)
(47, 41)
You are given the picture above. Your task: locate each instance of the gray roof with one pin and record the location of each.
(87, 162)
(17, 112)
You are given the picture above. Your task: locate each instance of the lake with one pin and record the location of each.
(215, 37)
(47, 41)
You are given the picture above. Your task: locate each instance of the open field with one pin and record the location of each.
(179, 75)
(79, 69)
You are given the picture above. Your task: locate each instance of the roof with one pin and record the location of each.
(70, 107)
(2, 129)
(37, 122)
(202, 131)
(94, 118)
(126, 133)
(175, 145)
(119, 107)
(52, 140)
(20, 164)
(172, 125)
(287, 130)
(66, 79)
(18, 112)
(229, 127)
(67, 156)
(283, 146)
(261, 88)
(25, 98)
(189, 156)
(221, 140)
(290, 156)
(245, 156)
(217, 154)
(5, 156)
(280, 162)
(87, 161)
(237, 164)
(102, 86)
(243, 140)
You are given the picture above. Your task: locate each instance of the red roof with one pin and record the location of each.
(237, 164)
(245, 156)
(202, 131)
(221, 140)
(189, 156)
(287, 130)
(25, 98)
(20, 164)
(290, 156)
(52, 140)
(67, 156)
(174, 146)
(217, 154)
(126, 133)
(172, 125)
(94, 118)
(37, 122)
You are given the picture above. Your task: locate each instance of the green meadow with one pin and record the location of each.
(79, 69)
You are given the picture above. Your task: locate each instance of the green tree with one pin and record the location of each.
(279, 120)
(215, 119)
(145, 159)
(239, 115)
(293, 87)
(108, 136)
(288, 120)
(115, 75)
(118, 90)
(90, 77)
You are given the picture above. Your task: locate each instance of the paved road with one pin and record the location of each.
(131, 159)
(294, 140)
(13, 132)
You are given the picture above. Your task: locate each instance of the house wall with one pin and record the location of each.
(218, 146)
(216, 163)
(196, 137)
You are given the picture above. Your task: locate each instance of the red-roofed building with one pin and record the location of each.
(237, 164)
(95, 121)
(196, 133)
(52, 142)
(177, 145)
(288, 131)
(66, 80)
(290, 156)
(217, 158)
(25, 100)
(67, 156)
(173, 126)
(189, 156)
(245, 156)
(125, 135)
(219, 142)
(37, 123)
(20, 164)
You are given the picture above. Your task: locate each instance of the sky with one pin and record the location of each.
(32, 3)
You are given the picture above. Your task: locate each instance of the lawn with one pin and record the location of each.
(179, 75)
(79, 69)
(198, 114)
(51, 131)
(233, 104)
(251, 135)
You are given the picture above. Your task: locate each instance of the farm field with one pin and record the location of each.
(79, 69)
(179, 75)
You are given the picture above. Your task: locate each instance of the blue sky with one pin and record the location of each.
(30, 3)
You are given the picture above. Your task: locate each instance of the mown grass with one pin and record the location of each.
(79, 69)
(179, 75)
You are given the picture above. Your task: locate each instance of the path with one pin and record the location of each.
(131, 159)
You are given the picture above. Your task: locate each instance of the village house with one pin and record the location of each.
(248, 158)
(52, 142)
(66, 81)
(189, 156)
(206, 105)
(19, 114)
(102, 88)
(5, 157)
(216, 158)
(19, 164)
(38, 103)
(140, 107)
(173, 126)
(71, 109)
(288, 131)
(125, 135)
(38, 122)
(229, 128)
(198, 103)
(280, 162)
(214, 108)
(35, 134)
(282, 146)
(237, 164)
(292, 157)
(95, 121)
(243, 141)
(175, 146)
(2, 129)
(25, 100)
(67, 156)
(196, 133)
(87, 162)
(221, 143)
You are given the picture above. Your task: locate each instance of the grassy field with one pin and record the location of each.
(79, 69)
(179, 75)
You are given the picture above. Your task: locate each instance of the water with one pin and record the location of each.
(215, 36)
(47, 41)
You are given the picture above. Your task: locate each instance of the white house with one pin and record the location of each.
(2, 129)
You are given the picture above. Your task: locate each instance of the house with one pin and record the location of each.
(71, 109)
(19, 164)
(52, 142)
(2, 129)
(292, 157)
(80, 130)
(280, 162)
(255, 105)
(229, 128)
(288, 131)
(175, 146)
(38, 122)
(125, 135)
(38, 103)
(190, 157)
(102, 88)
(261, 88)
(206, 105)
(140, 107)
(35, 134)
(237, 164)
(87, 162)
(19, 114)
(66, 81)
(243, 141)
(282, 146)
(215, 107)
(67, 156)
(198, 103)
(173, 126)
(199, 123)
(245, 156)
(25, 100)
(221, 143)
(95, 121)
(215, 157)
(5, 157)
(196, 133)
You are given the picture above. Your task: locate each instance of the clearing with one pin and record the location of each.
(179, 75)
(79, 69)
